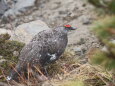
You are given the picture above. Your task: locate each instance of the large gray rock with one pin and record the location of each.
(3, 7)
(26, 31)
(21, 7)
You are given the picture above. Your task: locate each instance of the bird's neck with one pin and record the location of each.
(61, 30)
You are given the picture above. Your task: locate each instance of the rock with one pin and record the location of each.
(26, 31)
(2, 60)
(104, 49)
(3, 7)
(3, 31)
(81, 41)
(80, 50)
(11, 2)
(15, 53)
(1, 57)
(47, 84)
(21, 7)
(113, 41)
(84, 4)
(86, 21)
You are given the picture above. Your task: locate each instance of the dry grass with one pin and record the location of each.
(87, 74)
(67, 71)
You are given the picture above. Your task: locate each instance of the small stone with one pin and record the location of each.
(104, 49)
(2, 25)
(80, 50)
(15, 53)
(84, 5)
(1, 57)
(113, 41)
(82, 41)
(2, 60)
(9, 26)
(19, 8)
(47, 84)
(3, 7)
(87, 21)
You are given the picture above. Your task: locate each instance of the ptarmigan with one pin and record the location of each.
(45, 47)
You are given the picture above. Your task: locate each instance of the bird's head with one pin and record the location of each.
(69, 27)
(65, 28)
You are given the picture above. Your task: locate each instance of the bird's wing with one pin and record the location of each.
(30, 51)
(42, 35)
(52, 49)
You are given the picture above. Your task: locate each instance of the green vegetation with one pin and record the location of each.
(105, 31)
(7, 48)
(107, 5)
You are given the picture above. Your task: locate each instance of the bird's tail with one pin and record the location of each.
(14, 74)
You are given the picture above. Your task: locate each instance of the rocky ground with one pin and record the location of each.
(24, 18)
(54, 13)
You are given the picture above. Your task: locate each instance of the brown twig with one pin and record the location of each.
(39, 71)
(28, 73)
(18, 73)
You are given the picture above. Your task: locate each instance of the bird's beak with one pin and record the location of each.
(73, 28)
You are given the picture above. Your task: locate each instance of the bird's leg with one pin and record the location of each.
(46, 72)
(30, 72)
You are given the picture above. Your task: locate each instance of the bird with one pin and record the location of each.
(45, 48)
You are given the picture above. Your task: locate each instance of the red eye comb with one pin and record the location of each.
(67, 25)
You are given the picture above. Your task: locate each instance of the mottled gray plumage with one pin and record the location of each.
(45, 47)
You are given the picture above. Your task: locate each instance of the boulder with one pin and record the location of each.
(19, 8)
(26, 31)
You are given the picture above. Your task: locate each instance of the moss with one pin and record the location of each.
(104, 28)
(107, 6)
(95, 2)
(7, 47)
(112, 6)
(4, 37)
(101, 58)
(105, 31)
